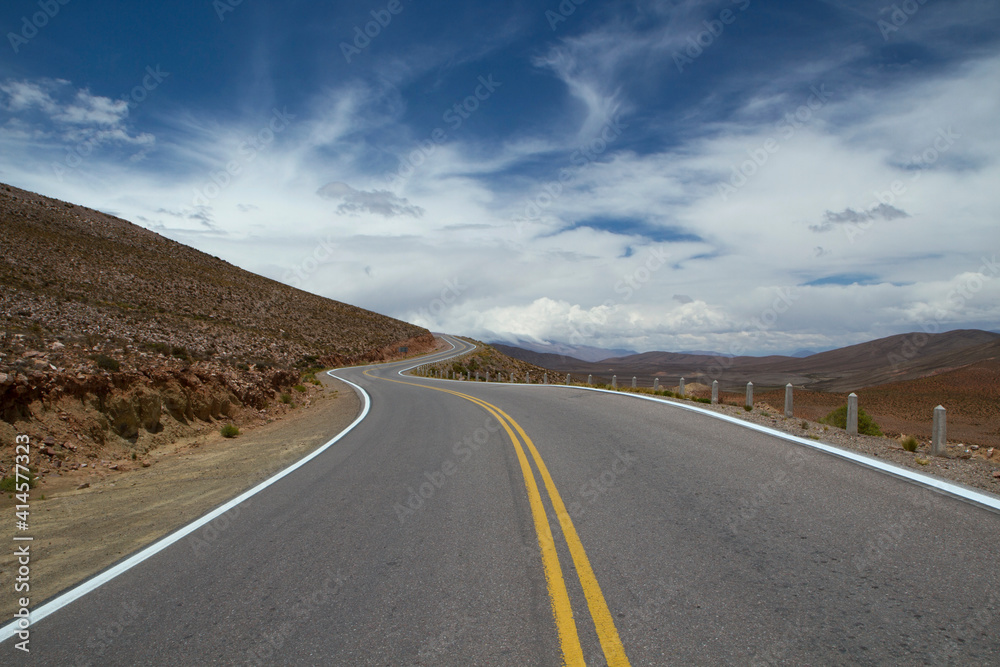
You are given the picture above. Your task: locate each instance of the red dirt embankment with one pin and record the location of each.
(971, 396)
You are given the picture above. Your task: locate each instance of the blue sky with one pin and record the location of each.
(748, 176)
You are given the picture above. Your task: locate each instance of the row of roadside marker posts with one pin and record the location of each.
(938, 430)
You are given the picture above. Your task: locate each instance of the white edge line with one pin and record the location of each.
(104, 577)
(95, 582)
(426, 363)
(986, 500)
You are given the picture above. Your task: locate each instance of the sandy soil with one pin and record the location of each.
(976, 466)
(970, 465)
(79, 532)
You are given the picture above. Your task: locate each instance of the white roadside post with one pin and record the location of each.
(749, 401)
(680, 389)
(590, 379)
(567, 378)
(715, 392)
(852, 413)
(614, 381)
(656, 384)
(527, 378)
(633, 382)
(545, 378)
(788, 399)
(939, 430)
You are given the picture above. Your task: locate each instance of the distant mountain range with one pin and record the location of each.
(892, 359)
(579, 352)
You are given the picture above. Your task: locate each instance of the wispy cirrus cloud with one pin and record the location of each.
(914, 116)
(55, 110)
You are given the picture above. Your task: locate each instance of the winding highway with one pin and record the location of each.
(464, 523)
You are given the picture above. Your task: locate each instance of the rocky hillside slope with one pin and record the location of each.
(125, 333)
(487, 359)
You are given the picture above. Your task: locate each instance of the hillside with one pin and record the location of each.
(72, 271)
(114, 336)
(582, 352)
(898, 379)
(488, 359)
(892, 359)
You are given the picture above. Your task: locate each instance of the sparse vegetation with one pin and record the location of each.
(286, 398)
(9, 483)
(106, 363)
(910, 443)
(161, 348)
(804, 425)
(230, 431)
(301, 388)
(866, 425)
(748, 408)
(487, 359)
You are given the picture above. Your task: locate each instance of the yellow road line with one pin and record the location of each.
(614, 652)
(562, 610)
(607, 633)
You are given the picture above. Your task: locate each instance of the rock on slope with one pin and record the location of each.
(143, 330)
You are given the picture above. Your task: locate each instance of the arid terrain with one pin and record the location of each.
(486, 359)
(971, 457)
(88, 518)
(899, 380)
(116, 341)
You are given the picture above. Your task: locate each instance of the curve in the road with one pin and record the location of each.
(986, 500)
(98, 580)
(611, 644)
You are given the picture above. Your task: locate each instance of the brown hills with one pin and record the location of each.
(114, 336)
(899, 380)
(892, 359)
(73, 271)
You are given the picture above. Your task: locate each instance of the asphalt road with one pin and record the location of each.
(420, 538)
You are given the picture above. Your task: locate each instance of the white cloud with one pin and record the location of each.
(463, 266)
(53, 115)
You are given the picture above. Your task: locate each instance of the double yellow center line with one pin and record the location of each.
(569, 639)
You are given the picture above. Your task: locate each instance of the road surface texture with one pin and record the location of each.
(467, 523)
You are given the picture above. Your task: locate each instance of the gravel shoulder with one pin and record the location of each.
(969, 465)
(80, 532)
